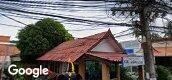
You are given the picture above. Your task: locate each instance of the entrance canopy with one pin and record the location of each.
(102, 45)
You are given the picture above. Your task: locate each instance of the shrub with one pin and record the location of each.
(163, 73)
(124, 75)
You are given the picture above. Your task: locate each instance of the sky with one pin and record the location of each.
(72, 11)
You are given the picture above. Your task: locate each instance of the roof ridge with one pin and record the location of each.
(105, 32)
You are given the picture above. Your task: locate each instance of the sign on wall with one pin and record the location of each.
(133, 61)
(129, 51)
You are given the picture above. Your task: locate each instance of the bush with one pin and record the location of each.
(93, 70)
(163, 73)
(124, 75)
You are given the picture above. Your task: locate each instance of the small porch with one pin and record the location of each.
(81, 66)
(104, 64)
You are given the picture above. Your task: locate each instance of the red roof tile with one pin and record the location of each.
(72, 50)
(7, 49)
(4, 38)
(108, 56)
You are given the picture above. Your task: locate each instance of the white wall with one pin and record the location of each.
(104, 46)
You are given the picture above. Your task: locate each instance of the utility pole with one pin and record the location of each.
(146, 11)
(150, 73)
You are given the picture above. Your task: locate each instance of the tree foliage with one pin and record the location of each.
(137, 33)
(169, 30)
(36, 39)
(163, 73)
(133, 9)
(124, 75)
(94, 70)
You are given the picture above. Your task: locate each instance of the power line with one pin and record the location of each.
(13, 19)
(50, 7)
(123, 35)
(69, 18)
(67, 29)
(75, 19)
(47, 4)
(123, 31)
(11, 25)
(26, 16)
(157, 27)
(36, 18)
(120, 24)
(74, 30)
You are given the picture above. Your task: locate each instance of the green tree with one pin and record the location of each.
(36, 39)
(169, 30)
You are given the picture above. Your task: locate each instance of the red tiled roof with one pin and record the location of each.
(73, 49)
(108, 56)
(62, 57)
(7, 49)
(4, 38)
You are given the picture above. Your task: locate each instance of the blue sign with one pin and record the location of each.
(129, 51)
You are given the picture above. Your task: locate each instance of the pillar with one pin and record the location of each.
(105, 72)
(82, 68)
(141, 72)
(117, 66)
(60, 68)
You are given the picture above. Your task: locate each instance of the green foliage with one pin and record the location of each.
(36, 39)
(169, 30)
(144, 10)
(124, 75)
(13, 41)
(93, 70)
(155, 36)
(163, 73)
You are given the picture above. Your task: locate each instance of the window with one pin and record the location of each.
(54, 66)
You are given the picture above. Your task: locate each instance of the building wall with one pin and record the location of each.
(162, 48)
(4, 38)
(163, 44)
(104, 46)
(133, 44)
(7, 49)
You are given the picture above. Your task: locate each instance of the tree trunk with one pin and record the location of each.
(150, 73)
